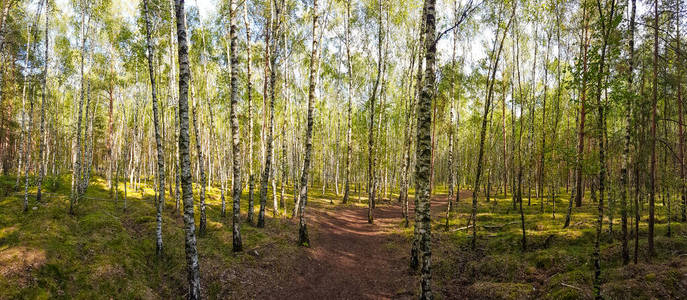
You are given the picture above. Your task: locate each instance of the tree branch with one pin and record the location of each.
(467, 10)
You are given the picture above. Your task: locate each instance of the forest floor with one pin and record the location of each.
(104, 251)
(350, 258)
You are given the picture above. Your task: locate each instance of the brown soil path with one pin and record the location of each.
(351, 259)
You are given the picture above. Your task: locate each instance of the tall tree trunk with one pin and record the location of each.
(76, 172)
(517, 184)
(160, 201)
(349, 106)
(202, 227)
(284, 173)
(422, 167)
(303, 238)
(542, 153)
(173, 98)
(110, 131)
(27, 154)
(626, 147)
(270, 131)
(601, 124)
(42, 133)
(681, 137)
(177, 166)
(505, 147)
(193, 272)
(88, 139)
(370, 146)
(652, 142)
(577, 189)
(415, 248)
(249, 92)
(23, 112)
(496, 54)
(237, 244)
(413, 94)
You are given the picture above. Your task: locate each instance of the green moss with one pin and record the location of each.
(501, 290)
(103, 251)
(566, 293)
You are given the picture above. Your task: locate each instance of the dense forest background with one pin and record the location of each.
(161, 149)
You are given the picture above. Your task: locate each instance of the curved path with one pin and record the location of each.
(351, 259)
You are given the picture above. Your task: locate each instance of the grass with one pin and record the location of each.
(103, 250)
(558, 262)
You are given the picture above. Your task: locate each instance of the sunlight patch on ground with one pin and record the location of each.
(16, 260)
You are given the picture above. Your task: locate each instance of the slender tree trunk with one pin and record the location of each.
(76, 173)
(370, 145)
(413, 92)
(270, 131)
(580, 136)
(601, 123)
(542, 153)
(177, 171)
(450, 174)
(517, 187)
(23, 112)
(505, 147)
(681, 137)
(652, 142)
(457, 148)
(42, 133)
(483, 131)
(450, 168)
(349, 106)
(235, 141)
(88, 140)
(303, 238)
(160, 202)
(626, 149)
(193, 272)
(173, 98)
(202, 227)
(27, 155)
(249, 92)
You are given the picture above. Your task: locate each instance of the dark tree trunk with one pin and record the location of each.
(577, 188)
(496, 54)
(626, 149)
(601, 124)
(681, 137)
(652, 142)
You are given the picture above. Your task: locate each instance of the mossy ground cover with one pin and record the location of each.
(558, 262)
(104, 251)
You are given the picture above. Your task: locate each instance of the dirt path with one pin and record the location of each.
(351, 259)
